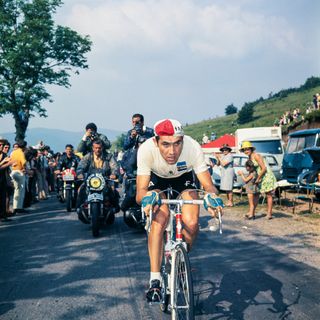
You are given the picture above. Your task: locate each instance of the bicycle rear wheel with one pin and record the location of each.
(182, 301)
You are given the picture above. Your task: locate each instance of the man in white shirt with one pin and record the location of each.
(170, 159)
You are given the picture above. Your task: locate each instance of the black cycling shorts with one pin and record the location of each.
(184, 182)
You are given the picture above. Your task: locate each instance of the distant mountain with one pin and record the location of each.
(57, 139)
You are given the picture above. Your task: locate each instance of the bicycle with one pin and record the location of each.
(177, 285)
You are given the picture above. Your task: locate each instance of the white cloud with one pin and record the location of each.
(164, 26)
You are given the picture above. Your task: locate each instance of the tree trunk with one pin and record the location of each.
(21, 128)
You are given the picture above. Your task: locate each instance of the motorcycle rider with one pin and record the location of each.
(98, 162)
(85, 145)
(138, 130)
(68, 160)
(171, 159)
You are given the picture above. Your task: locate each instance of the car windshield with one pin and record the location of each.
(270, 146)
(297, 144)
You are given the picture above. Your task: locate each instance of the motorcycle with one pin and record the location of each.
(97, 209)
(66, 189)
(133, 215)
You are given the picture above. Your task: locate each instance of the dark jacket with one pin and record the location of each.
(131, 142)
(86, 146)
(87, 167)
(68, 163)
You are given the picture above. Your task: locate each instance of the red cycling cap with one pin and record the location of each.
(168, 127)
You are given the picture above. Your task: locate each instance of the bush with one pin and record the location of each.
(313, 116)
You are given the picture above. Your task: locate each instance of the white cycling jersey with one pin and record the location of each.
(150, 160)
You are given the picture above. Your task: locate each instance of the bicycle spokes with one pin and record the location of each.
(183, 293)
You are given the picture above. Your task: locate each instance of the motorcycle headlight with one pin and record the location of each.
(96, 182)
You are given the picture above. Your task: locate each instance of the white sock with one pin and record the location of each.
(155, 276)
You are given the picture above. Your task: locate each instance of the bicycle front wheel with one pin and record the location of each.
(182, 302)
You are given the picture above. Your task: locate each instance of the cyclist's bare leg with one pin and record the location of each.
(190, 217)
(155, 239)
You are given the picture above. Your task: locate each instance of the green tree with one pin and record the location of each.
(35, 53)
(118, 143)
(230, 109)
(246, 113)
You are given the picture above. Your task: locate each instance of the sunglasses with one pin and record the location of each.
(246, 149)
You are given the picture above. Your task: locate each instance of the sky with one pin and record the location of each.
(181, 59)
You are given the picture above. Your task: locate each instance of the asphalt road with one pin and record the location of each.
(52, 268)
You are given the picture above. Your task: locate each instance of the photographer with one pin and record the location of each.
(138, 130)
(85, 145)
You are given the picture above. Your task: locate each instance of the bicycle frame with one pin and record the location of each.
(175, 269)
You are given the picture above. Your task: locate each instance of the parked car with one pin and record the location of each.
(239, 161)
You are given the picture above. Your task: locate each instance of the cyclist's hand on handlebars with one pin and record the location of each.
(151, 201)
(212, 203)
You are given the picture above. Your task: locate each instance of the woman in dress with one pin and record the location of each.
(225, 160)
(266, 180)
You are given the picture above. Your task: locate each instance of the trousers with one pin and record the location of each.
(19, 183)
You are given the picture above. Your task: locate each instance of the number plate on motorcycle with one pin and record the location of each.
(95, 196)
(68, 177)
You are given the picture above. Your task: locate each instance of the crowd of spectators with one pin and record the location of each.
(289, 116)
(296, 115)
(26, 176)
(316, 101)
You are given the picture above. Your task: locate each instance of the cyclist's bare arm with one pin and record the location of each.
(142, 187)
(206, 181)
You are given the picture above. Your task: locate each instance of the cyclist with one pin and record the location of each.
(171, 159)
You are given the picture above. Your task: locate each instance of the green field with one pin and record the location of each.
(265, 114)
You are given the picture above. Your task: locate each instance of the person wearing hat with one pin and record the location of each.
(266, 180)
(171, 159)
(225, 160)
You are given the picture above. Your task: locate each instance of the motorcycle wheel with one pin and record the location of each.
(128, 219)
(95, 208)
(68, 200)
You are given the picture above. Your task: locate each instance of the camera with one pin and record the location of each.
(93, 136)
(138, 128)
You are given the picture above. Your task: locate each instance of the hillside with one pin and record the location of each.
(265, 113)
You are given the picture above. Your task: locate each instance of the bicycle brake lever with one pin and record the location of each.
(220, 221)
(148, 221)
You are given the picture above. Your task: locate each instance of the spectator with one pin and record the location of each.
(138, 132)
(19, 177)
(30, 196)
(42, 165)
(120, 156)
(5, 162)
(10, 188)
(309, 110)
(91, 134)
(213, 136)
(266, 178)
(252, 189)
(315, 102)
(205, 139)
(227, 173)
